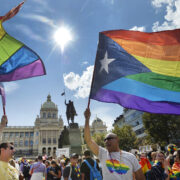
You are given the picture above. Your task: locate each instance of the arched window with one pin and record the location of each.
(44, 115)
(43, 150)
(49, 115)
(54, 115)
(49, 151)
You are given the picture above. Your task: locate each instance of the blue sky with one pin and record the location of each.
(35, 26)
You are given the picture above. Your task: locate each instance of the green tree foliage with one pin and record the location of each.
(161, 128)
(127, 137)
(99, 138)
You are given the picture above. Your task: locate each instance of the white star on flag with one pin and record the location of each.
(105, 62)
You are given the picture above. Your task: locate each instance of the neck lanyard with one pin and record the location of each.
(76, 169)
(112, 159)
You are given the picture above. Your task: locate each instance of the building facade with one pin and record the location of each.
(42, 138)
(133, 118)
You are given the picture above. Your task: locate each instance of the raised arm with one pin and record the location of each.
(87, 136)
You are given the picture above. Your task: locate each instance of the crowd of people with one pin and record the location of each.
(111, 163)
(45, 168)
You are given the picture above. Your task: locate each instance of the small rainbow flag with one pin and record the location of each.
(176, 170)
(17, 61)
(138, 70)
(145, 165)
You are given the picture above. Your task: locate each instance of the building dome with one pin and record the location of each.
(97, 122)
(49, 104)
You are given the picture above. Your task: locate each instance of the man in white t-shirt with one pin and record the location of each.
(116, 164)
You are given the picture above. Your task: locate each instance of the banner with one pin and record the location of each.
(62, 151)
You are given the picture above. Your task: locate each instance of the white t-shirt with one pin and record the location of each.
(111, 168)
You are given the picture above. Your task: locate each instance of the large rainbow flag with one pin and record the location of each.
(17, 61)
(138, 70)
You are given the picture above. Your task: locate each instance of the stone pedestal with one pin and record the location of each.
(75, 139)
(71, 137)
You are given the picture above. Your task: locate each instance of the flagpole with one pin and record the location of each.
(64, 94)
(4, 110)
(92, 80)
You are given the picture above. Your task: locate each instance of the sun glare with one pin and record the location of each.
(62, 37)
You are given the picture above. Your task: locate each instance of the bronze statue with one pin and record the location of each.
(70, 111)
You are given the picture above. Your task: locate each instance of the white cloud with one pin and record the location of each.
(42, 6)
(135, 28)
(27, 31)
(40, 18)
(80, 84)
(172, 16)
(85, 63)
(71, 80)
(159, 3)
(10, 87)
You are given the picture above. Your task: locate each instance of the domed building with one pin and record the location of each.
(39, 139)
(98, 126)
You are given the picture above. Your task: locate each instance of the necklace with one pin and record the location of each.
(113, 160)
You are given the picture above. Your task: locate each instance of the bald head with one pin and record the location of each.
(112, 142)
(111, 135)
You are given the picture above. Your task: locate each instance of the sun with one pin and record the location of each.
(62, 37)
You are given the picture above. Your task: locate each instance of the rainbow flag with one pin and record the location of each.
(17, 61)
(138, 70)
(145, 165)
(176, 171)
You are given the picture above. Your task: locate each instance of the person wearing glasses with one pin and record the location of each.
(159, 170)
(6, 170)
(116, 164)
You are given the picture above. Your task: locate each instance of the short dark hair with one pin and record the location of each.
(53, 162)
(4, 145)
(39, 158)
(87, 153)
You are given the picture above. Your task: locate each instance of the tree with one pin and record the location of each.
(99, 138)
(161, 128)
(127, 137)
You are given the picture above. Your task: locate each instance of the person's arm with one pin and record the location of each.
(87, 136)
(59, 173)
(139, 175)
(82, 176)
(166, 165)
(12, 12)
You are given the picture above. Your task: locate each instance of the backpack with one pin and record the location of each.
(94, 173)
(26, 168)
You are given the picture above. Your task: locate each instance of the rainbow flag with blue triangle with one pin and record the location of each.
(138, 70)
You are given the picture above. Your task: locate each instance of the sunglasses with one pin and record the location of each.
(11, 147)
(109, 138)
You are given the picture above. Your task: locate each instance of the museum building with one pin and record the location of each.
(42, 138)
